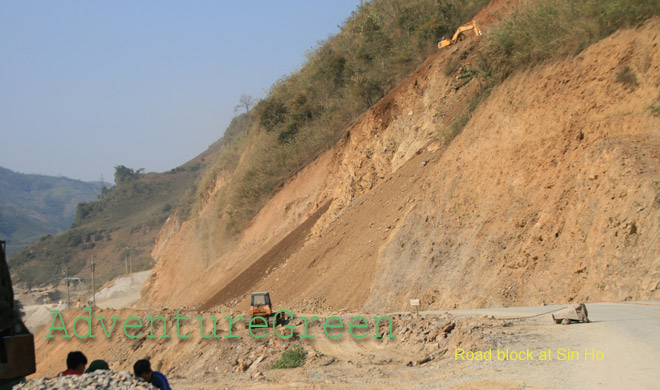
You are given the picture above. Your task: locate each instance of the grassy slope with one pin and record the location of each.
(34, 205)
(542, 30)
(383, 41)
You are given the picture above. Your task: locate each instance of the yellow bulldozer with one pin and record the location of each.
(459, 35)
(260, 306)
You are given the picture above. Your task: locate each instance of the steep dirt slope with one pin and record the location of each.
(375, 146)
(193, 262)
(555, 183)
(194, 258)
(551, 193)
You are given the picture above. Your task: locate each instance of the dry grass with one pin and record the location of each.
(545, 29)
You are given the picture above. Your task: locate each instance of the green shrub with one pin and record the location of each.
(124, 175)
(627, 77)
(288, 135)
(453, 65)
(273, 113)
(655, 109)
(292, 357)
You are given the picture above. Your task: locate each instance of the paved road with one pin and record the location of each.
(627, 334)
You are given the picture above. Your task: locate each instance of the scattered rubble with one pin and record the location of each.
(100, 379)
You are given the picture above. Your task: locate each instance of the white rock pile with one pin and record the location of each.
(97, 380)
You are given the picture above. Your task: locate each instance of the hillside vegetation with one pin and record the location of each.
(34, 205)
(484, 179)
(306, 112)
(540, 30)
(126, 218)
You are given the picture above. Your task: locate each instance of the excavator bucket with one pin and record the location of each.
(444, 43)
(16, 356)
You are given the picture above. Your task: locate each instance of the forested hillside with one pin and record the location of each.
(34, 205)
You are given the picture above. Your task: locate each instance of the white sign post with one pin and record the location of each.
(415, 302)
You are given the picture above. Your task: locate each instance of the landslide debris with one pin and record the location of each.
(415, 340)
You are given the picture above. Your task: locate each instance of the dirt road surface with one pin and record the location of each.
(623, 338)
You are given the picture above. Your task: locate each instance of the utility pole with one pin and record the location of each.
(93, 284)
(126, 263)
(66, 278)
(130, 261)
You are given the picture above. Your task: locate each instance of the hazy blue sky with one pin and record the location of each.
(87, 85)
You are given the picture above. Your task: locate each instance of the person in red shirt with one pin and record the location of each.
(75, 364)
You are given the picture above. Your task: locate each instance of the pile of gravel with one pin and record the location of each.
(99, 380)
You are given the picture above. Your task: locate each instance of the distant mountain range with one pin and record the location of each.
(35, 205)
(117, 229)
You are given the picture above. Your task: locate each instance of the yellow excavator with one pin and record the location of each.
(459, 35)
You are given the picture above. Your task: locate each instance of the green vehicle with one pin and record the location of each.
(16, 341)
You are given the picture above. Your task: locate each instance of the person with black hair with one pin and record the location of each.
(75, 364)
(142, 369)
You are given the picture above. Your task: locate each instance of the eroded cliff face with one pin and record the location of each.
(550, 193)
(183, 249)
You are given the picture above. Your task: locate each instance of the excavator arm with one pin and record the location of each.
(458, 35)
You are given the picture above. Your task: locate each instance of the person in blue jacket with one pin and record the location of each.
(142, 369)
